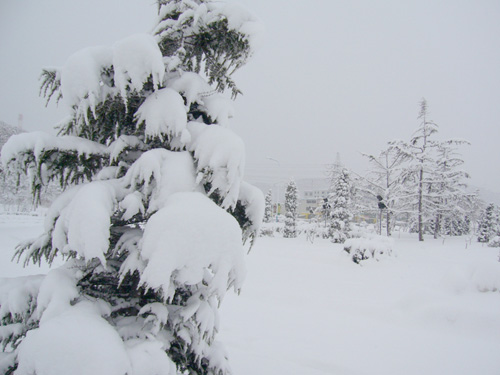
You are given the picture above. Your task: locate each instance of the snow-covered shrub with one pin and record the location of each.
(362, 230)
(154, 216)
(321, 231)
(373, 247)
(268, 229)
(303, 228)
(494, 242)
(487, 278)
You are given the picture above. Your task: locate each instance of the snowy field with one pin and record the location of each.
(432, 308)
(307, 309)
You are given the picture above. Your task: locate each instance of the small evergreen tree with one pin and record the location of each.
(291, 201)
(449, 189)
(268, 210)
(154, 215)
(340, 201)
(488, 224)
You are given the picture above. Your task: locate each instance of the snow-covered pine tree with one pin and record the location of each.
(268, 211)
(488, 224)
(291, 202)
(474, 210)
(419, 174)
(155, 213)
(340, 200)
(455, 225)
(449, 187)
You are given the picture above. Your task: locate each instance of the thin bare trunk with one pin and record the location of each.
(388, 222)
(420, 193)
(379, 222)
(436, 226)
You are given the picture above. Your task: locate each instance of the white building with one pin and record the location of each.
(312, 194)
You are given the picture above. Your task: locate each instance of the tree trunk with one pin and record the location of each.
(436, 226)
(388, 222)
(379, 222)
(420, 193)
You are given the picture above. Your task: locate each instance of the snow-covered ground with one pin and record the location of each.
(308, 309)
(431, 308)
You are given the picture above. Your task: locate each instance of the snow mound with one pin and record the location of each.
(160, 173)
(374, 247)
(83, 225)
(243, 21)
(494, 242)
(190, 85)
(78, 342)
(487, 278)
(163, 113)
(57, 290)
(81, 76)
(221, 159)
(252, 198)
(187, 237)
(18, 294)
(38, 142)
(135, 59)
(121, 144)
(219, 108)
(149, 358)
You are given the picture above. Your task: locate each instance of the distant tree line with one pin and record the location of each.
(419, 183)
(422, 181)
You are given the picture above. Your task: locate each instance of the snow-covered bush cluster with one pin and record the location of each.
(494, 242)
(270, 229)
(155, 213)
(369, 247)
(487, 279)
(303, 228)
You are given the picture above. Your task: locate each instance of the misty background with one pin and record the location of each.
(330, 79)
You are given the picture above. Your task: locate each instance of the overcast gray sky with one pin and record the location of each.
(331, 76)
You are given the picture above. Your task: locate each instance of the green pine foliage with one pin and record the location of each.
(214, 48)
